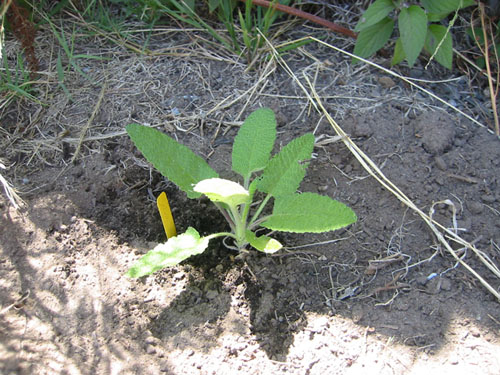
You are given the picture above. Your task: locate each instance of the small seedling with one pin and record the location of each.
(277, 177)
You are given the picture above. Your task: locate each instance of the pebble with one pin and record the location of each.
(150, 340)
(440, 163)
(211, 294)
(475, 208)
(165, 367)
(445, 284)
(386, 82)
(150, 349)
(475, 332)
(422, 280)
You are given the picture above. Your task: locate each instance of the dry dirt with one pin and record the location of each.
(381, 297)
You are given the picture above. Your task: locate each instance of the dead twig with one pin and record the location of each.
(493, 90)
(307, 16)
(89, 122)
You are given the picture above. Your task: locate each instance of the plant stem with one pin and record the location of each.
(240, 227)
(226, 215)
(220, 234)
(308, 16)
(259, 210)
(488, 70)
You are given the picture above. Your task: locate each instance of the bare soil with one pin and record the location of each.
(382, 296)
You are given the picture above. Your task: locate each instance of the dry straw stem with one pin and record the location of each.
(493, 93)
(14, 199)
(438, 230)
(408, 80)
(89, 122)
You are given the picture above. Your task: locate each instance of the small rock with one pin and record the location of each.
(440, 163)
(150, 340)
(454, 361)
(422, 280)
(445, 284)
(211, 294)
(165, 367)
(475, 208)
(386, 82)
(437, 132)
(475, 332)
(150, 349)
(363, 129)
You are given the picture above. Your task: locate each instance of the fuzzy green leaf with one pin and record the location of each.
(174, 161)
(445, 7)
(263, 243)
(221, 190)
(255, 140)
(444, 55)
(287, 169)
(374, 14)
(308, 212)
(170, 253)
(372, 38)
(413, 30)
(399, 53)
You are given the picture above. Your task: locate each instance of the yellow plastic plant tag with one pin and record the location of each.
(166, 215)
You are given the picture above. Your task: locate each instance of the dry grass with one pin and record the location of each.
(134, 85)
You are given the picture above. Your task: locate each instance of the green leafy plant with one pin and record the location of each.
(277, 177)
(419, 29)
(254, 22)
(244, 27)
(15, 81)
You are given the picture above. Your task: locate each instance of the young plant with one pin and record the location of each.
(277, 177)
(418, 25)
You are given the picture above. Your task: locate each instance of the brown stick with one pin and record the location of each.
(308, 16)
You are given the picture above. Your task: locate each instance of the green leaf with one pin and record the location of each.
(174, 161)
(213, 5)
(170, 253)
(478, 31)
(444, 55)
(255, 140)
(221, 190)
(445, 7)
(308, 212)
(374, 37)
(375, 13)
(190, 4)
(399, 53)
(285, 171)
(263, 243)
(413, 30)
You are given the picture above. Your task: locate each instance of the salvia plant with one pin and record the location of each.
(277, 179)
